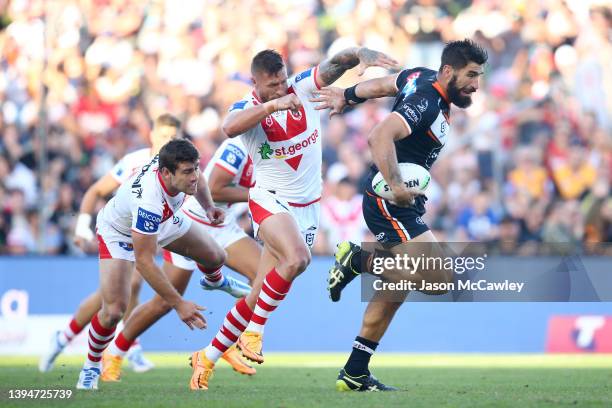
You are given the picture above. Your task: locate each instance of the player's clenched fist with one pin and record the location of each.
(189, 313)
(288, 102)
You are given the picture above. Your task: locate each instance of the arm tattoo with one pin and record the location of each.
(332, 69)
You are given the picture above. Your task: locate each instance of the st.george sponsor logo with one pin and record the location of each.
(267, 152)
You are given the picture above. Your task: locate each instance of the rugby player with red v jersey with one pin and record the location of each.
(144, 214)
(281, 131)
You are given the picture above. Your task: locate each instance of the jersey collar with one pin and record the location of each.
(256, 97)
(161, 182)
(441, 91)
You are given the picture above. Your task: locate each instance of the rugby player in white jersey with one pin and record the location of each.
(282, 133)
(143, 215)
(229, 174)
(165, 128)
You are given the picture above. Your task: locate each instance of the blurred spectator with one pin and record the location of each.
(529, 177)
(507, 241)
(478, 221)
(536, 140)
(564, 224)
(574, 176)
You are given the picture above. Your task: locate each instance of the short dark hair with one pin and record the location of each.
(458, 54)
(168, 120)
(268, 61)
(177, 151)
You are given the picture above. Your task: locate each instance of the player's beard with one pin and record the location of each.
(455, 96)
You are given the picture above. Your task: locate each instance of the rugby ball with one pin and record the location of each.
(414, 176)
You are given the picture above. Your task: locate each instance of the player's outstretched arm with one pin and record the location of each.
(215, 215)
(101, 188)
(222, 190)
(240, 121)
(381, 141)
(336, 99)
(145, 247)
(331, 69)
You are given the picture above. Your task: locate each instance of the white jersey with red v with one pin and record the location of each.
(142, 203)
(286, 147)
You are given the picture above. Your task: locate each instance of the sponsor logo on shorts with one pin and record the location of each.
(419, 221)
(126, 246)
(380, 237)
(309, 238)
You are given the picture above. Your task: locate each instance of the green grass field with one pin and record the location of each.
(307, 380)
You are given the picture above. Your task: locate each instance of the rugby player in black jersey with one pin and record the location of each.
(414, 132)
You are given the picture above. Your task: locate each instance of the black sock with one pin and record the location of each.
(359, 359)
(356, 260)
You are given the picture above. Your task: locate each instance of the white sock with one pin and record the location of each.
(212, 353)
(255, 327)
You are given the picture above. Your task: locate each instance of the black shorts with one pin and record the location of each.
(390, 223)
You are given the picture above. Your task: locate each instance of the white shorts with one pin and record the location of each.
(113, 244)
(264, 203)
(224, 235)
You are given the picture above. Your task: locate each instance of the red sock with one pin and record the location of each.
(211, 275)
(70, 332)
(123, 344)
(273, 291)
(99, 337)
(234, 324)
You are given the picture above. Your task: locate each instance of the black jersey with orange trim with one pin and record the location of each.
(425, 108)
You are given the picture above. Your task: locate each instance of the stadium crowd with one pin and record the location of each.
(530, 161)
